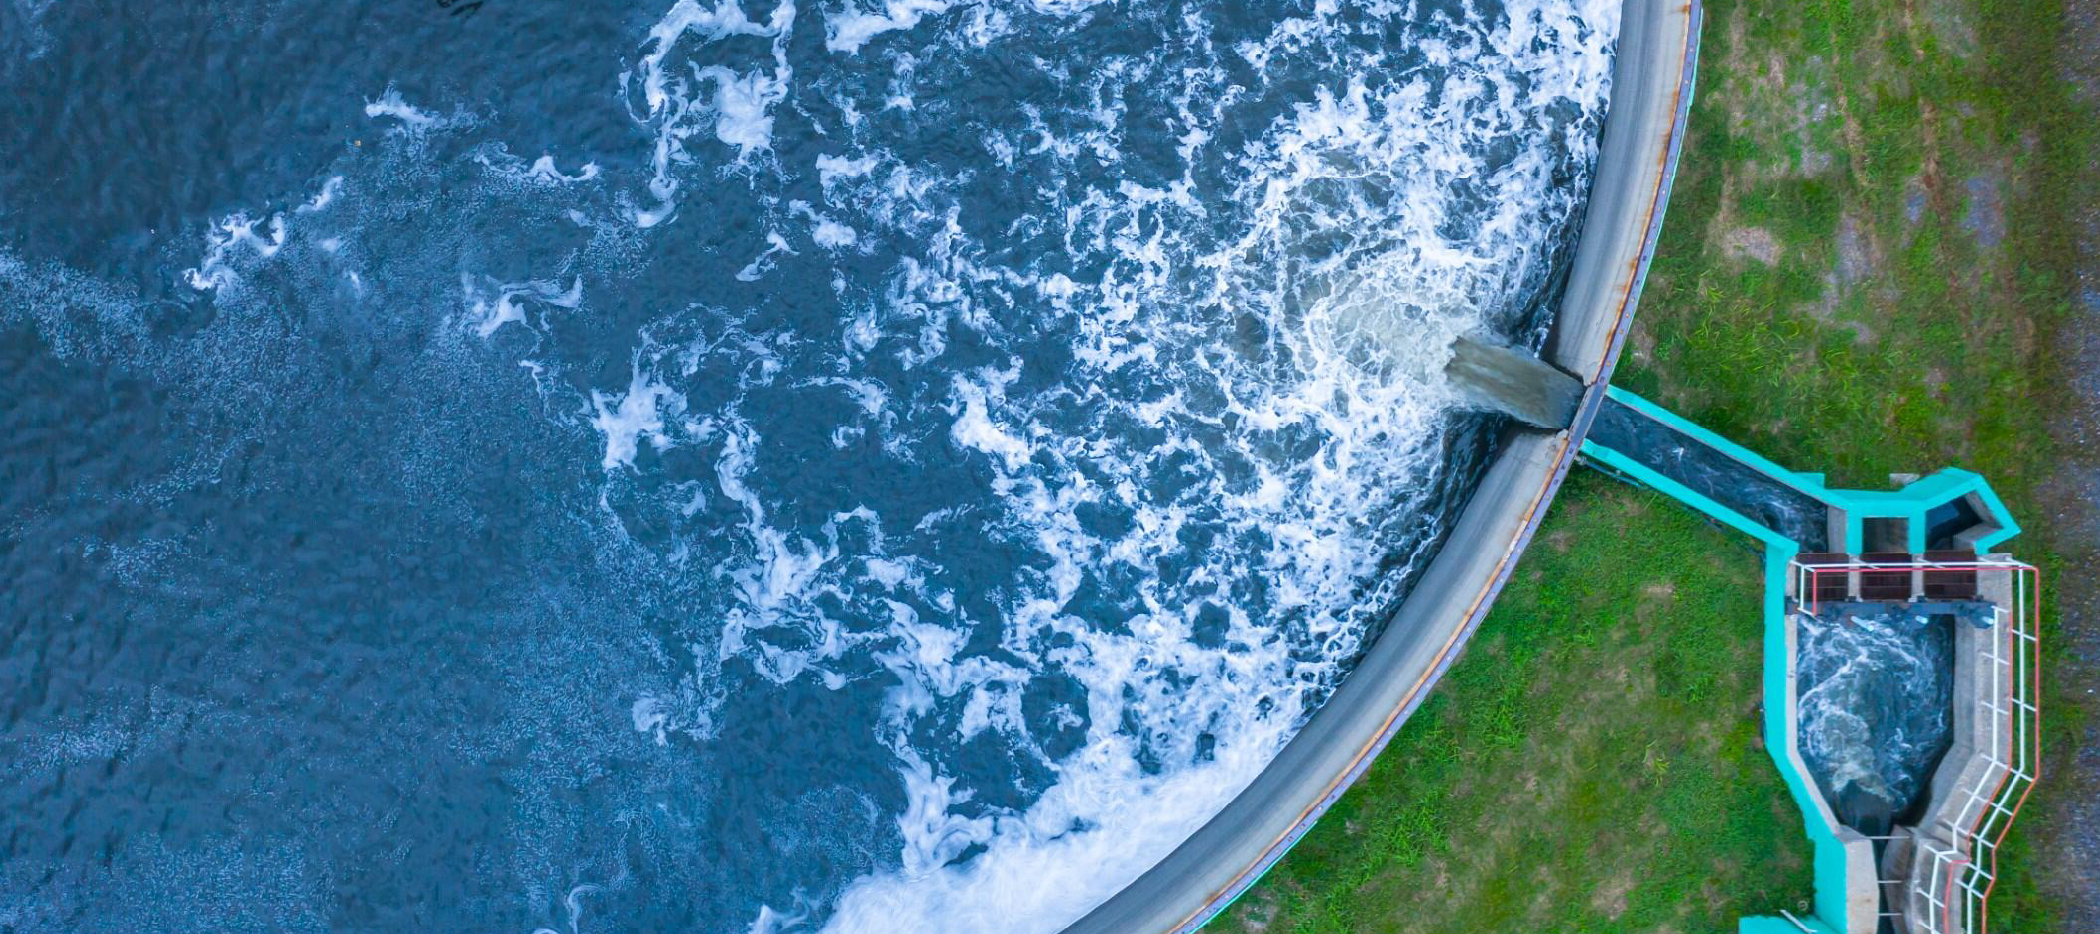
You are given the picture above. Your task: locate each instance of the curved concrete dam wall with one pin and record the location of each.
(1651, 91)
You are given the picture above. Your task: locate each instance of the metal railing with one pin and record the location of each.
(1955, 864)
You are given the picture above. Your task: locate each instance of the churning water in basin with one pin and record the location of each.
(1876, 708)
(789, 465)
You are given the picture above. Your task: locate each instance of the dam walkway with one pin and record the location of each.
(1922, 554)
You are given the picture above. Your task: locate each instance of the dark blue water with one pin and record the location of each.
(1877, 705)
(502, 465)
(1708, 472)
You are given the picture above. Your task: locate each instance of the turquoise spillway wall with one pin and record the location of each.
(1911, 502)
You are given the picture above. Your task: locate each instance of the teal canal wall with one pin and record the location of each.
(1835, 870)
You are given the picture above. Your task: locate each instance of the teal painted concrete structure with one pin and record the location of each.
(1912, 503)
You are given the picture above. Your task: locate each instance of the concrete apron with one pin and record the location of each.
(1652, 79)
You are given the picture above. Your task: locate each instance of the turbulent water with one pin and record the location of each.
(1876, 703)
(507, 465)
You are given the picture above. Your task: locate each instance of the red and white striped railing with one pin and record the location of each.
(1955, 864)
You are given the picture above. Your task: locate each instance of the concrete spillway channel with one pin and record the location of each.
(1901, 651)
(1644, 124)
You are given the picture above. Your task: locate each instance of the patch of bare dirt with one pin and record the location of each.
(1985, 218)
(1741, 243)
(1857, 253)
(1951, 25)
(1860, 256)
(1643, 341)
(1914, 200)
(1259, 912)
(1777, 105)
(1610, 898)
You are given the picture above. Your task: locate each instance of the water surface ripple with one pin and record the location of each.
(508, 465)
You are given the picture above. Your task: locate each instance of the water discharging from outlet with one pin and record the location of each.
(1876, 706)
(1503, 379)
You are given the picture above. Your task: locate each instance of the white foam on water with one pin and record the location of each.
(239, 242)
(489, 305)
(850, 28)
(743, 107)
(1308, 453)
(831, 169)
(675, 107)
(626, 419)
(974, 427)
(855, 24)
(1023, 885)
(543, 169)
(759, 266)
(325, 197)
(1273, 389)
(231, 237)
(774, 922)
(828, 233)
(833, 235)
(1870, 707)
(411, 120)
(542, 172)
(572, 906)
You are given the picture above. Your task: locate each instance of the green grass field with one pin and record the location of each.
(1593, 764)
(1865, 259)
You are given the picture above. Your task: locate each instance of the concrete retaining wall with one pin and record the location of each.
(1651, 92)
